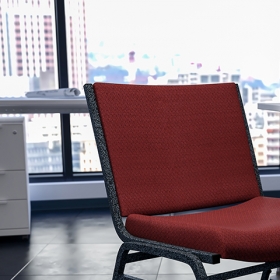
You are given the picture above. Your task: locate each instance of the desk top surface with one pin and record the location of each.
(43, 105)
(68, 105)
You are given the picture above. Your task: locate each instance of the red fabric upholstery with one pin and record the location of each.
(174, 148)
(249, 231)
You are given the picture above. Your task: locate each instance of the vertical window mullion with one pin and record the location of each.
(63, 83)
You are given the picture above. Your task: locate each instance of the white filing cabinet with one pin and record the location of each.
(14, 197)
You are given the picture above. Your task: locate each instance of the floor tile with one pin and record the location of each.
(72, 259)
(174, 267)
(78, 277)
(6, 277)
(176, 277)
(46, 225)
(54, 216)
(84, 259)
(147, 267)
(171, 268)
(192, 277)
(45, 234)
(90, 227)
(64, 277)
(14, 256)
(146, 277)
(86, 232)
(227, 265)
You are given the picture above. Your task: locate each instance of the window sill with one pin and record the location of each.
(96, 189)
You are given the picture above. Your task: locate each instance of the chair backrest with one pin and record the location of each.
(176, 148)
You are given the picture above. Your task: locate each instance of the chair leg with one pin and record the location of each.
(265, 274)
(150, 252)
(120, 264)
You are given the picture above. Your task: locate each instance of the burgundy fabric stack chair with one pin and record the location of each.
(175, 149)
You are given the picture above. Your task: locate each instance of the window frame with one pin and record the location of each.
(62, 65)
(67, 165)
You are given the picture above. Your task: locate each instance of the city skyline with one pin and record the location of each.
(213, 38)
(200, 44)
(242, 36)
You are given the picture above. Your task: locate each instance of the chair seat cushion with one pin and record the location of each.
(249, 231)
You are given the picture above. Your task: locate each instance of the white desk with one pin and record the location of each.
(37, 105)
(68, 105)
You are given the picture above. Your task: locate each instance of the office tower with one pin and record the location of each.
(264, 125)
(28, 45)
(272, 137)
(27, 41)
(77, 43)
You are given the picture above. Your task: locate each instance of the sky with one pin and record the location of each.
(241, 34)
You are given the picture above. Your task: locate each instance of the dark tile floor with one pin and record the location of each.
(82, 244)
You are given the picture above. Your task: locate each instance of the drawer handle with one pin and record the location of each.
(2, 172)
(3, 202)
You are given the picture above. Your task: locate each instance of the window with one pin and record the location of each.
(215, 78)
(245, 95)
(235, 78)
(255, 97)
(26, 73)
(203, 79)
(133, 44)
(123, 52)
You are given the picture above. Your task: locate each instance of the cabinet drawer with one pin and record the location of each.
(13, 185)
(12, 146)
(14, 214)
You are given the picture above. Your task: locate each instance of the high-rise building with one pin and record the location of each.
(259, 147)
(27, 39)
(77, 43)
(264, 125)
(28, 46)
(200, 76)
(272, 137)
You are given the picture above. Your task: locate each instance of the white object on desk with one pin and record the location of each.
(54, 93)
(14, 196)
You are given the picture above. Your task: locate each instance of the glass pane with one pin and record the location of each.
(43, 139)
(182, 42)
(84, 150)
(28, 63)
(267, 144)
